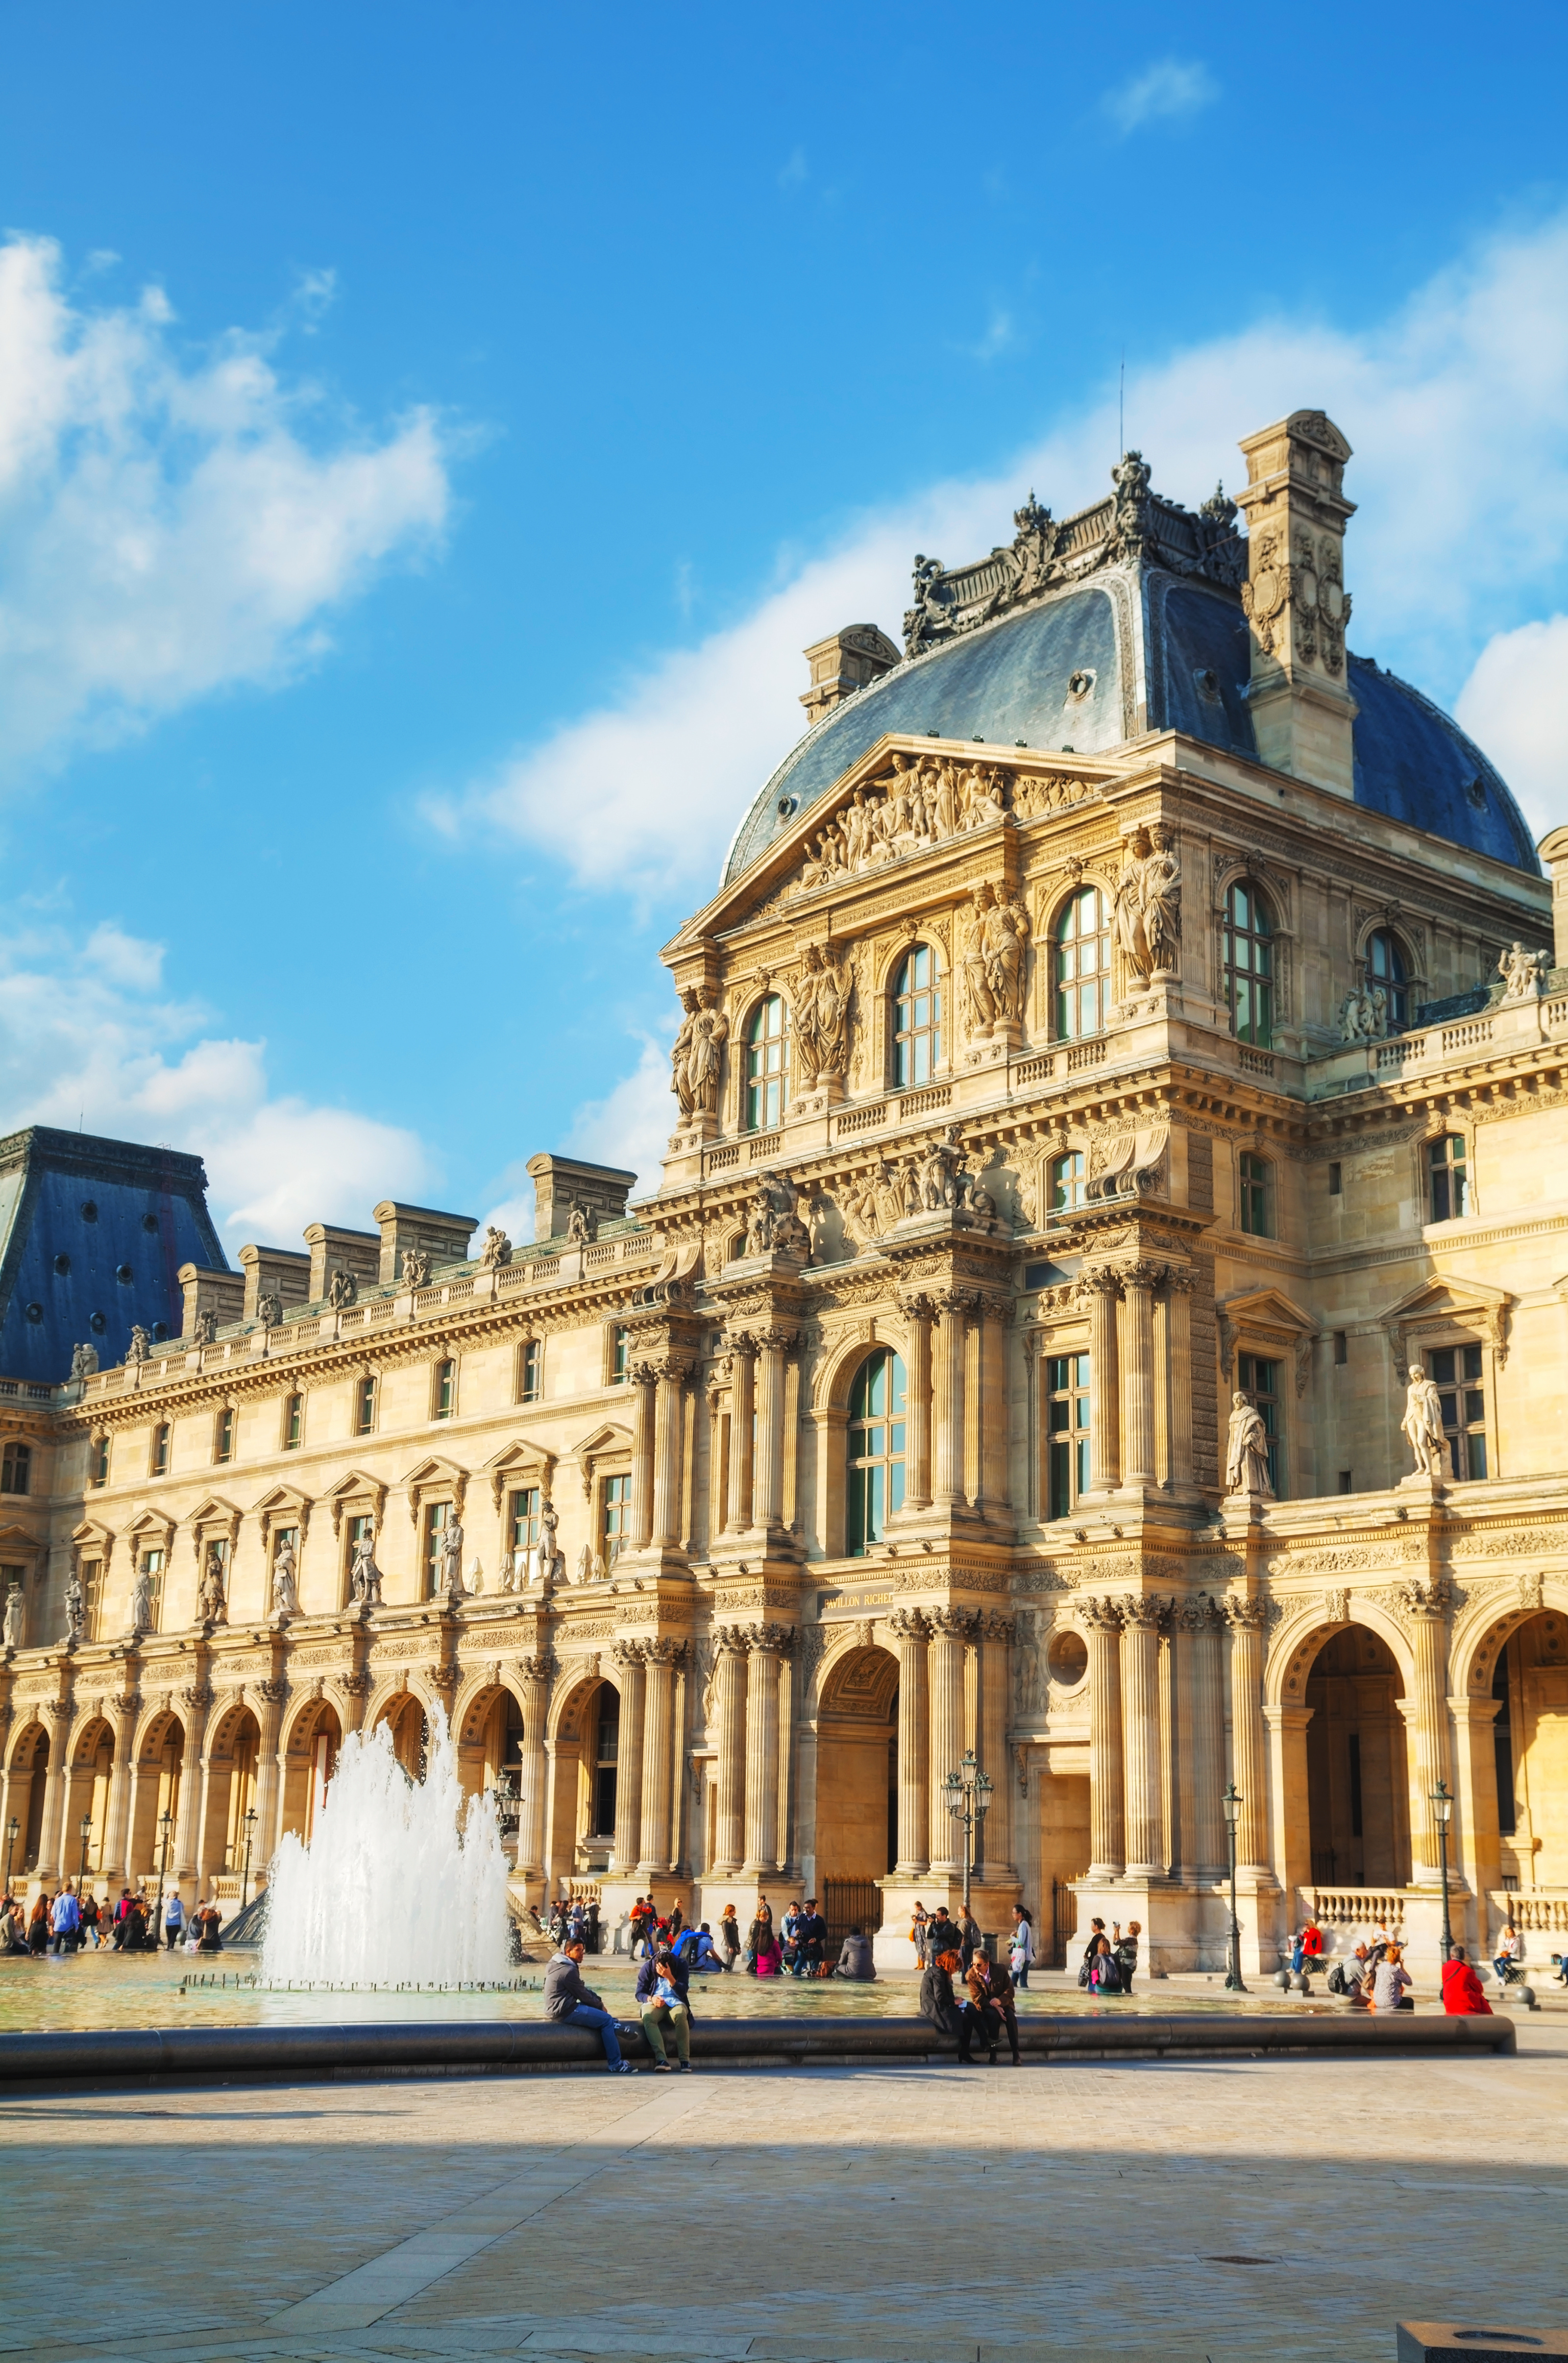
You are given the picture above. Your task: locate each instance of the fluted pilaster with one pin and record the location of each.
(768, 1481)
(1179, 1375)
(660, 1658)
(951, 1629)
(1137, 1458)
(669, 1440)
(268, 1699)
(643, 1384)
(1427, 1606)
(1108, 1841)
(196, 1703)
(1200, 1675)
(742, 1426)
(918, 1407)
(1248, 1620)
(631, 1675)
(729, 1716)
(909, 1631)
(995, 1499)
(768, 1643)
(532, 1773)
(1141, 1619)
(953, 1308)
(995, 1638)
(1102, 1289)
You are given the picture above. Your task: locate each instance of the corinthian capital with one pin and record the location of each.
(536, 1670)
(1147, 1610)
(733, 1639)
(1102, 1612)
(1104, 1280)
(952, 1623)
(995, 1626)
(665, 1652)
(1431, 1600)
(775, 1640)
(626, 1654)
(1245, 1616)
(907, 1624)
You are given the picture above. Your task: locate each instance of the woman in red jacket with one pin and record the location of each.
(1463, 1997)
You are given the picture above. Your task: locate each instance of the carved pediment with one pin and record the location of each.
(353, 1488)
(435, 1475)
(607, 1442)
(1440, 1305)
(522, 1460)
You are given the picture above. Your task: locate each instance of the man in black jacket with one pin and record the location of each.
(810, 1940)
(940, 2004)
(570, 2003)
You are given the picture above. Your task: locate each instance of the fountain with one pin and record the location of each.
(403, 1881)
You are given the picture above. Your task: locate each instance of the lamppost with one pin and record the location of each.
(1442, 1813)
(1232, 1801)
(969, 1801)
(250, 1820)
(13, 1832)
(165, 1823)
(86, 1828)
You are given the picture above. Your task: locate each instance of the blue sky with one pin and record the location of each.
(429, 438)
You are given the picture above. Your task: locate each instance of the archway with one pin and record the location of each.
(1530, 1736)
(585, 1790)
(404, 1718)
(857, 1788)
(92, 1771)
(310, 1758)
(230, 1847)
(1357, 1782)
(25, 1793)
(159, 1770)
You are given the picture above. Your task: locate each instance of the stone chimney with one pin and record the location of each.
(1294, 599)
(445, 1238)
(602, 1190)
(221, 1293)
(281, 1272)
(845, 663)
(331, 1251)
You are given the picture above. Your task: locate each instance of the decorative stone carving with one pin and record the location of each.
(582, 1225)
(821, 1013)
(1247, 1451)
(141, 1345)
(364, 1576)
(75, 1612)
(496, 1251)
(696, 1052)
(15, 1618)
(1336, 1607)
(1147, 1610)
(1422, 1426)
(341, 1289)
(140, 1606)
(285, 1590)
(84, 1362)
(1364, 1013)
(1149, 903)
(269, 1309)
(1246, 1615)
(990, 966)
(206, 1330)
(211, 1607)
(416, 1268)
(450, 1551)
(1533, 1591)
(1102, 1611)
(1524, 974)
(773, 1224)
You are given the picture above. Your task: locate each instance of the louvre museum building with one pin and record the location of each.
(1103, 1316)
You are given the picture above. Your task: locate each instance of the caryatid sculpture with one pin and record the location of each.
(142, 1604)
(452, 1560)
(1148, 901)
(16, 1617)
(821, 1016)
(1247, 1450)
(285, 1591)
(1422, 1426)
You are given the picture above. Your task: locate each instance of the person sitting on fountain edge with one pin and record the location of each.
(570, 2003)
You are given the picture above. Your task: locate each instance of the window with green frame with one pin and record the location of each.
(1067, 1429)
(1255, 1183)
(1082, 964)
(1459, 1375)
(1250, 965)
(875, 1445)
(438, 1518)
(1259, 1381)
(767, 1065)
(1068, 1186)
(917, 1017)
(615, 1525)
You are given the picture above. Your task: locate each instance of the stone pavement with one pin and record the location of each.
(1229, 2210)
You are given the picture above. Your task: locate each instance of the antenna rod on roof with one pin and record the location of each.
(1121, 411)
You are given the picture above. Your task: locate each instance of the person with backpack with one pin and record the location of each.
(1126, 1951)
(1104, 1978)
(704, 1957)
(1096, 1930)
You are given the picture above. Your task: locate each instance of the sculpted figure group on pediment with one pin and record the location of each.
(921, 802)
(943, 1177)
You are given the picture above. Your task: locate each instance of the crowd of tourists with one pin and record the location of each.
(61, 1923)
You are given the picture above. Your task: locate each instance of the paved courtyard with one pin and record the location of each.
(1227, 2209)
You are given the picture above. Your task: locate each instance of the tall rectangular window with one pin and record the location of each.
(620, 1343)
(223, 1441)
(524, 1519)
(606, 1752)
(294, 1423)
(1255, 1179)
(1259, 1382)
(438, 1518)
(1458, 1375)
(364, 1406)
(92, 1581)
(161, 1442)
(615, 1525)
(1336, 1181)
(1067, 1429)
(17, 1468)
(446, 1389)
(99, 1460)
(530, 1371)
(1446, 1178)
(152, 1568)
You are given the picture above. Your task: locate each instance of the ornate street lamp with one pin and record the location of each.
(1442, 1813)
(13, 1832)
(249, 1821)
(86, 1826)
(165, 1823)
(1232, 1801)
(968, 1799)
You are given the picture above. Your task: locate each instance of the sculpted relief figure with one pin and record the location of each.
(822, 1015)
(1247, 1450)
(451, 1561)
(710, 1030)
(140, 1345)
(1149, 903)
(341, 1289)
(364, 1576)
(140, 1604)
(269, 1309)
(580, 1226)
(991, 967)
(1422, 1426)
(285, 1590)
(416, 1268)
(1523, 973)
(84, 1362)
(680, 1050)
(496, 1251)
(15, 1618)
(211, 1607)
(918, 803)
(1364, 1013)
(76, 1612)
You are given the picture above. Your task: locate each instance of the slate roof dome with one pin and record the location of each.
(1124, 620)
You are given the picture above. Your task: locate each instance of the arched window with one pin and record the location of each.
(1255, 1182)
(767, 1065)
(1250, 965)
(1083, 966)
(1068, 1186)
(876, 1450)
(1388, 971)
(917, 1017)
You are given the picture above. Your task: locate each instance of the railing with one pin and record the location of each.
(597, 1258)
(1542, 1911)
(1087, 1054)
(513, 1275)
(863, 1119)
(915, 1104)
(1033, 1070)
(458, 1289)
(1557, 1012)
(1468, 1037)
(1394, 1054)
(544, 1267)
(1359, 1907)
(428, 1300)
(720, 1160)
(355, 1317)
(1256, 1063)
(383, 1308)
(764, 1145)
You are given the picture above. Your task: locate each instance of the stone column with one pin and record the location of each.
(356, 1689)
(954, 1308)
(195, 1705)
(996, 1640)
(767, 1510)
(768, 1643)
(1179, 1375)
(532, 1775)
(1201, 1682)
(951, 1629)
(1427, 1606)
(1102, 1631)
(917, 1411)
(1248, 1763)
(910, 1630)
(660, 1658)
(1103, 1288)
(996, 1494)
(123, 1712)
(1142, 1616)
(729, 1716)
(742, 1423)
(626, 1659)
(57, 1714)
(669, 1443)
(643, 1382)
(1138, 1454)
(268, 1698)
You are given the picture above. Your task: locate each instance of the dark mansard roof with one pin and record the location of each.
(1124, 620)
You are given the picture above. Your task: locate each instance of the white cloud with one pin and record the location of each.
(1515, 705)
(1167, 92)
(1455, 404)
(173, 521)
(84, 1041)
(630, 1126)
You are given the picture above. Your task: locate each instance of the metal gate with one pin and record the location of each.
(1063, 1921)
(851, 1903)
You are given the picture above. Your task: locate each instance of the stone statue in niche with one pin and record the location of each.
(496, 1251)
(1364, 1013)
(269, 1309)
(364, 1576)
(15, 1618)
(76, 1612)
(285, 1590)
(1149, 903)
(451, 1547)
(84, 1362)
(547, 1559)
(1247, 1450)
(211, 1607)
(206, 1328)
(140, 1345)
(341, 1289)
(681, 1051)
(991, 967)
(416, 1268)
(582, 1227)
(140, 1605)
(822, 1015)
(710, 1030)
(1422, 1426)
(1523, 973)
